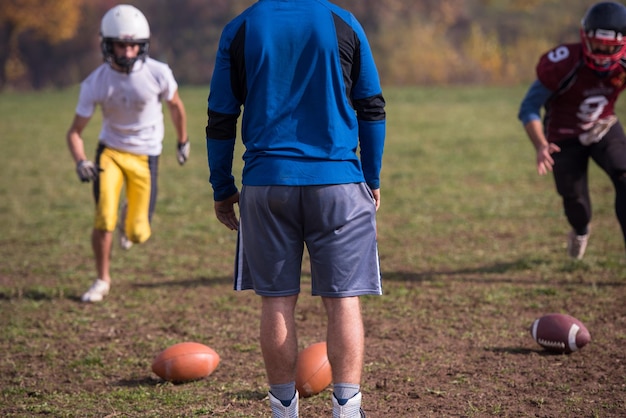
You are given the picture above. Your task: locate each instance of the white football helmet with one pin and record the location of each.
(124, 23)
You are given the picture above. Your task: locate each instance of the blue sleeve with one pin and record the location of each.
(224, 108)
(220, 155)
(372, 141)
(369, 103)
(530, 108)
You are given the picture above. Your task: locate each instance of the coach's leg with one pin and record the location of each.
(279, 343)
(345, 339)
(345, 345)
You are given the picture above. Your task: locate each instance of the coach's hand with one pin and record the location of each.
(87, 171)
(225, 212)
(182, 151)
(376, 194)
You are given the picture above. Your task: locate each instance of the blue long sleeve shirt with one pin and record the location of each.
(313, 110)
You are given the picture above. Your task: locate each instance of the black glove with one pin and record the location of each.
(182, 152)
(87, 171)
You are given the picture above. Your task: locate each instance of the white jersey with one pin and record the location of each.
(132, 110)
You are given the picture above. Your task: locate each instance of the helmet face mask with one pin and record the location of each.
(603, 53)
(126, 24)
(603, 35)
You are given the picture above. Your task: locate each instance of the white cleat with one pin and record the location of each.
(281, 411)
(351, 409)
(98, 290)
(576, 245)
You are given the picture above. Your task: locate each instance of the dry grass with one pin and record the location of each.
(472, 248)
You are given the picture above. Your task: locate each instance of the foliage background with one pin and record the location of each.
(46, 44)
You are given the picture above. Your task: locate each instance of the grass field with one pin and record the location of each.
(472, 246)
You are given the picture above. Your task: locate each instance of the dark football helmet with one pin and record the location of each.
(603, 34)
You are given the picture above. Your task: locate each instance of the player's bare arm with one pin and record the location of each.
(179, 117)
(85, 169)
(544, 149)
(75, 140)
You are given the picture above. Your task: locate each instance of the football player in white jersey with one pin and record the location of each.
(129, 87)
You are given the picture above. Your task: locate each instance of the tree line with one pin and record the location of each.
(54, 44)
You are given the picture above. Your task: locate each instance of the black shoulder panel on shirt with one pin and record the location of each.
(349, 52)
(238, 77)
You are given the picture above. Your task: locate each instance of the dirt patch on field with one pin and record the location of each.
(439, 344)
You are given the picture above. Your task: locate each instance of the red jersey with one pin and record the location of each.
(582, 95)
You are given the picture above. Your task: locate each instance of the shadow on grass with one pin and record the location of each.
(199, 281)
(243, 395)
(512, 350)
(246, 395)
(493, 273)
(48, 294)
(32, 295)
(496, 268)
(36, 294)
(523, 351)
(151, 381)
(134, 383)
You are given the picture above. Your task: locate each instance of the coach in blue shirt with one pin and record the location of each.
(313, 128)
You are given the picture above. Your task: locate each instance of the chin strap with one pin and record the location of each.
(125, 63)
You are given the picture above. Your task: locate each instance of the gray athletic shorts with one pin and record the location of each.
(336, 222)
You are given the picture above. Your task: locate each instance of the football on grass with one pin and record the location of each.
(313, 373)
(184, 362)
(560, 333)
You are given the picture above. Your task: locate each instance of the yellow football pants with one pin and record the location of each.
(139, 173)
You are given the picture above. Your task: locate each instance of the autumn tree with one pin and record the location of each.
(48, 21)
(46, 43)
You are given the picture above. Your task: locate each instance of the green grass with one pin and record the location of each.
(472, 245)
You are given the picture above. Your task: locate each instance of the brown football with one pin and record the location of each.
(184, 362)
(560, 333)
(313, 373)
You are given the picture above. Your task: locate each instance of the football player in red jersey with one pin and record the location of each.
(577, 85)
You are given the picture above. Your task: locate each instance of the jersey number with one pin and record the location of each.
(591, 109)
(559, 54)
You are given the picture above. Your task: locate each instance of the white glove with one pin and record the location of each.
(597, 131)
(87, 171)
(182, 152)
